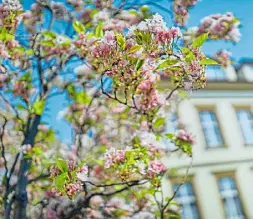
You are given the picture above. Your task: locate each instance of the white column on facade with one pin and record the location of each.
(244, 179)
(207, 193)
(247, 73)
(229, 125)
(230, 73)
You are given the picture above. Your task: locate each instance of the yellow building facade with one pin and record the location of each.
(220, 182)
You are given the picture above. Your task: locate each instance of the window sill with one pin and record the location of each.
(216, 147)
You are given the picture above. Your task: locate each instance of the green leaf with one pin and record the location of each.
(121, 41)
(134, 48)
(169, 135)
(5, 36)
(208, 62)
(82, 98)
(29, 52)
(159, 122)
(26, 77)
(130, 157)
(49, 34)
(198, 42)
(37, 150)
(185, 50)
(146, 36)
(235, 20)
(139, 64)
(47, 43)
(60, 181)
(78, 26)
(99, 31)
(20, 107)
(19, 49)
(62, 165)
(190, 57)
(38, 107)
(187, 148)
(167, 63)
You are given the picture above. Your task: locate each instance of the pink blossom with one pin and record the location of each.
(2, 77)
(155, 168)
(3, 52)
(12, 44)
(26, 148)
(219, 26)
(105, 47)
(113, 156)
(54, 171)
(185, 136)
(180, 10)
(223, 57)
(72, 188)
(43, 128)
(82, 173)
(71, 165)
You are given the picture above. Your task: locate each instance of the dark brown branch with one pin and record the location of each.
(85, 202)
(115, 96)
(2, 145)
(112, 184)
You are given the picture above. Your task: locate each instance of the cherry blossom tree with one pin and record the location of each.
(108, 58)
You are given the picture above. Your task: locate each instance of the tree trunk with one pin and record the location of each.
(20, 192)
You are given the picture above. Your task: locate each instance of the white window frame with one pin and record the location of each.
(228, 196)
(186, 200)
(211, 128)
(246, 125)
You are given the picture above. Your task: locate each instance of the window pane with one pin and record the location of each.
(246, 123)
(185, 196)
(215, 73)
(230, 197)
(210, 128)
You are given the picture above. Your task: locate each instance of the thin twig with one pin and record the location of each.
(181, 183)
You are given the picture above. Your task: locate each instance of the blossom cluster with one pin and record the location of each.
(9, 49)
(8, 8)
(185, 136)
(72, 184)
(144, 45)
(155, 168)
(223, 57)
(26, 148)
(180, 10)
(219, 26)
(113, 156)
(122, 161)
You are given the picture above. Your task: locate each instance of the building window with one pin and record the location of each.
(215, 73)
(210, 128)
(245, 119)
(230, 198)
(185, 196)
